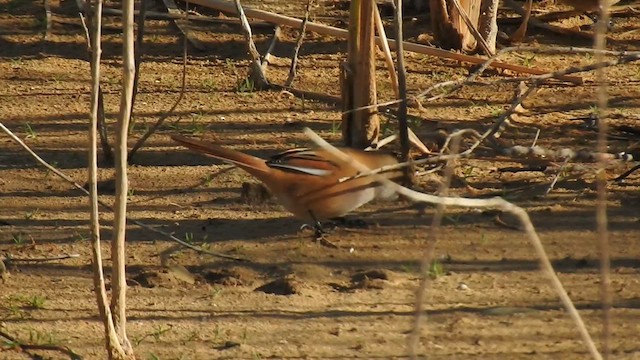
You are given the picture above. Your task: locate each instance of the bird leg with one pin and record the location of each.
(320, 233)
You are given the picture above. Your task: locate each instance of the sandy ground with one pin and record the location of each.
(487, 300)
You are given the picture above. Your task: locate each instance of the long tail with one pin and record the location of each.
(253, 165)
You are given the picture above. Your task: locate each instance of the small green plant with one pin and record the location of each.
(196, 127)
(188, 238)
(9, 345)
(35, 302)
(217, 290)
(156, 334)
(48, 172)
(31, 214)
(209, 83)
(414, 122)
(207, 180)
(130, 192)
(495, 111)
(16, 63)
(81, 237)
(335, 126)
(529, 61)
(159, 331)
(484, 240)
(18, 238)
(31, 134)
(409, 268)
(435, 269)
(38, 337)
(468, 172)
(15, 311)
(216, 333)
(231, 66)
(246, 85)
(193, 336)
(445, 89)
(387, 128)
(153, 356)
(453, 218)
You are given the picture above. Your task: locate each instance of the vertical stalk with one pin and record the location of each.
(360, 127)
(114, 350)
(402, 86)
(601, 204)
(119, 284)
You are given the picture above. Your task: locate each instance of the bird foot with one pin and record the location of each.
(320, 235)
(322, 240)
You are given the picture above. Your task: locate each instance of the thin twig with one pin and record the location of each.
(627, 173)
(296, 50)
(384, 44)
(102, 122)
(266, 59)
(535, 139)
(112, 343)
(556, 177)
(183, 88)
(139, 49)
(403, 127)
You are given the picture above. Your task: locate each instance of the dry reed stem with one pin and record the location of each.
(112, 344)
(296, 50)
(403, 127)
(118, 242)
(384, 46)
(601, 179)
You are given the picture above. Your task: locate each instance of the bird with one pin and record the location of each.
(586, 5)
(312, 184)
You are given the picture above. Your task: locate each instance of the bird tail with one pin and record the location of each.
(252, 164)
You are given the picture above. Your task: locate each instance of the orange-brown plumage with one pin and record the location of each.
(308, 183)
